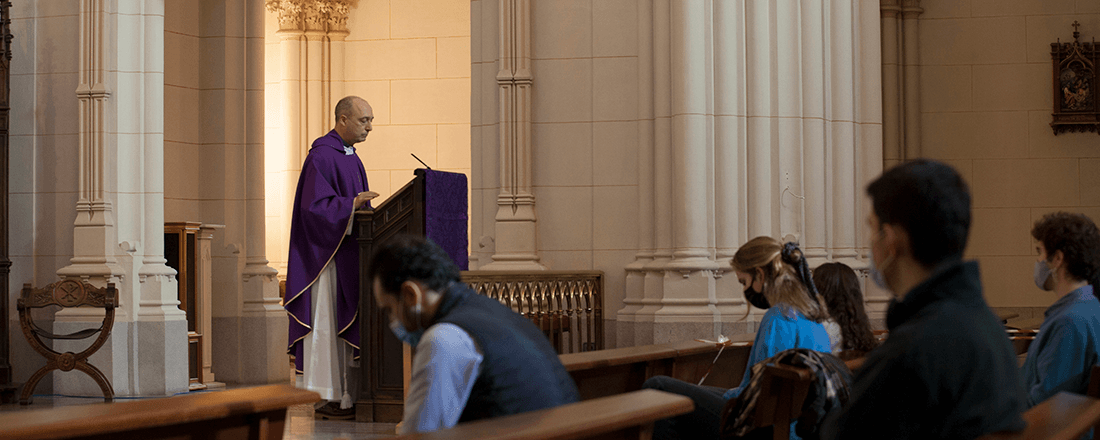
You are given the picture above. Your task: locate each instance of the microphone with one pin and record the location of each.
(421, 162)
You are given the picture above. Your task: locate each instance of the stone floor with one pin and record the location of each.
(300, 422)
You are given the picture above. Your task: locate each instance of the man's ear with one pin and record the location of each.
(1057, 258)
(895, 239)
(411, 293)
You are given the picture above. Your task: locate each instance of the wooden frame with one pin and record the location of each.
(7, 388)
(1076, 76)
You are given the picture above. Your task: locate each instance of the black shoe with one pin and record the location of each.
(332, 411)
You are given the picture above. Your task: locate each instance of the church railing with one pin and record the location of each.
(566, 305)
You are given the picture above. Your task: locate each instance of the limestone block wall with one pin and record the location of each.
(985, 75)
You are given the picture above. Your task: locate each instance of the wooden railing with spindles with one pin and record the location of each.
(566, 305)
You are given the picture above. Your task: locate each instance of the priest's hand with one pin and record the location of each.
(363, 197)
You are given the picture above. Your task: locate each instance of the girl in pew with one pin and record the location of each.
(849, 329)
(777, 278)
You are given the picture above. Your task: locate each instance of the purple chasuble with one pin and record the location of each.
(327, 187)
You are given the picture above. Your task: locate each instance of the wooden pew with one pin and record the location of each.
(1065, 416)
(604, 373)
(625, 416)
(246, 413)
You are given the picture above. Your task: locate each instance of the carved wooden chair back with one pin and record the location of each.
(66, 293)
(783, 390)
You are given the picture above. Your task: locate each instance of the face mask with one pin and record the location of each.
(403, 335)
(876, 274)
(1041, 274)
(398, 329)
(755, 298)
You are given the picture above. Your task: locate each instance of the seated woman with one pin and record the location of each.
(776, 278)
(849, 329)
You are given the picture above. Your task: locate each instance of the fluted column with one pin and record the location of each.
(635, 273)
(94, 231)
(689, 281)
(891, 90)
(516, 247)
(729, 149)
(760, 123)
(911, 11)
(815, 197)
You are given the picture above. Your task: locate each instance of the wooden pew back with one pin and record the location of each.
(1065, 416)
(253, 413)
(616, 371)
(625, 416)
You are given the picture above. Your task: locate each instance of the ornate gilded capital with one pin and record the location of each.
(311, 15)
(336, 14)
(289, 11)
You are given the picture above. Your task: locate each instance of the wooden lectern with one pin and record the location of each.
(433, 204)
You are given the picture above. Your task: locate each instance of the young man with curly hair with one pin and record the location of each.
(1068, 343)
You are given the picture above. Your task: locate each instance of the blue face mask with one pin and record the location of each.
(405, 336)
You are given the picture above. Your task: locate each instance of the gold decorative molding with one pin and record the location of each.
(311, 15)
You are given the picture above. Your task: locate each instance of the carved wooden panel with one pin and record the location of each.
(1076, 66)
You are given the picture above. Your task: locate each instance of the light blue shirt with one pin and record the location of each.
(446, 364)
(1063, 353)
(782, 328)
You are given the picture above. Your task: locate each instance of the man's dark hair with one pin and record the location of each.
(1077, 237)
(931, 202)
(409, 257)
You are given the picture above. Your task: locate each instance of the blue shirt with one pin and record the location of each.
(444, 369)
(1063, 353)
(782, 328)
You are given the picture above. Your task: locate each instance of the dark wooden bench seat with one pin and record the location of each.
(1063, 417)
(246, 413)
(625, 416)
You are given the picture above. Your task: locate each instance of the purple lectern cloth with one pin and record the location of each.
(327, 187)
(445, 211)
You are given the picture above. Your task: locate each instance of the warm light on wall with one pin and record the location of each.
(410, 61)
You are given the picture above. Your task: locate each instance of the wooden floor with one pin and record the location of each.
(301, 424)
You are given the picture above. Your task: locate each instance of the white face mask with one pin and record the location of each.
(876, 273)
(1041, 274)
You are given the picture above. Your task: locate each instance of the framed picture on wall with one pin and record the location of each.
(1076, 106)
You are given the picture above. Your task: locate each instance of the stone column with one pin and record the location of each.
(730, 145)
(316, 60)
(911, 11)
(515, 218)
(635, 271)
(761, 112)
(122, 200)
(688, 290)
(891, 91)
(263, 318)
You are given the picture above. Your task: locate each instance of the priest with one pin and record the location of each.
(322, 285)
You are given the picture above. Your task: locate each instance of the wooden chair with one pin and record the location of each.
(783, 390)
(66, 293)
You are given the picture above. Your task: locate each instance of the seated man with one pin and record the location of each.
(475, 358)
(1064, 351)
(946, 370)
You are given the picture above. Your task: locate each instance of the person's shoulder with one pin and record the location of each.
(444, 337)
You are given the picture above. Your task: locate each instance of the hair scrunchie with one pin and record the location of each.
(800, 266)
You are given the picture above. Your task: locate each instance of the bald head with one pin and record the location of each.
(354, 119)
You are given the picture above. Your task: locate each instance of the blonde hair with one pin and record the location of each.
(782, 282)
